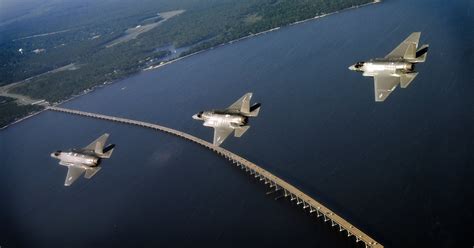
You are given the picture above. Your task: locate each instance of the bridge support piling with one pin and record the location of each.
(255, 170)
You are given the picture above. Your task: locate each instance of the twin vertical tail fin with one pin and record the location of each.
(417, 56)
(243, 106)
(107, 152)
(413, 55)
(98, 146)
(409, 50)
(254, 110)
(410, 53)
(422, 53)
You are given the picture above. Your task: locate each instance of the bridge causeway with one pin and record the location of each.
(278, 184)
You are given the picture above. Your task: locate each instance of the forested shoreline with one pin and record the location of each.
(83, 43)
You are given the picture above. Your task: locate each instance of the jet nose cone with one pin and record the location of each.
(55, 154)
(352, 68)
(198, 116)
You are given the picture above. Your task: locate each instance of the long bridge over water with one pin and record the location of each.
(302, 199)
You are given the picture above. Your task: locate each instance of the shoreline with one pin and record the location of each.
(22, 119)
(259, 33)
(86, 91)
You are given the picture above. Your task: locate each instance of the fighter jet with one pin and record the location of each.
(398, 67)
(86, 159)
(234, 118)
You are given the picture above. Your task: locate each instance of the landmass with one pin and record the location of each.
(133, 33)
(99, 43)
(11, 111)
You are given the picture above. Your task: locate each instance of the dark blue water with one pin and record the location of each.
(401, 170)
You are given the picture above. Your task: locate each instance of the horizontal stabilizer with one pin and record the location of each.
(240, 131)
(91, 172)
(406, 79)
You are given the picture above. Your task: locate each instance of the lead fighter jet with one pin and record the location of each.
(86, 159)
(398, 67)
(234, 118)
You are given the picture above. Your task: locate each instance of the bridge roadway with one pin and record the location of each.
(306, 201)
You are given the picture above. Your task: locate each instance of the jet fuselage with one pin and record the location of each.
(85, 160)
(388, 67)
(75, 158)
(396, 68)
(233, 119)
(218, 118)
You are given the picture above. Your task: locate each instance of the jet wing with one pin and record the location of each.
(98, 145)
(383, 86)
(91, 172)
(72, 174)
(243, 104)
(406, 49)
(220, 134)
(65, 164)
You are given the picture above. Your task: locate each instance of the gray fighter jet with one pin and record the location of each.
(86, 159)
(234, 118)
(398, 67)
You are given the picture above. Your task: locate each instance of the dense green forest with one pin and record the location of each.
(10, 111)
(82, 30)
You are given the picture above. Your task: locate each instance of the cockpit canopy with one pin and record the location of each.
(56, 153)
(200, 114)
(359, 65)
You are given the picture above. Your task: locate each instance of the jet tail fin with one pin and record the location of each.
(410, 53)
(254, 110)
(107, 152)
(419, 56)
(240, 131)
(422, 53)
(406, 79)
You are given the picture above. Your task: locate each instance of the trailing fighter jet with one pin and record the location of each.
(86, 159)
(234, 118)
(398, 67)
